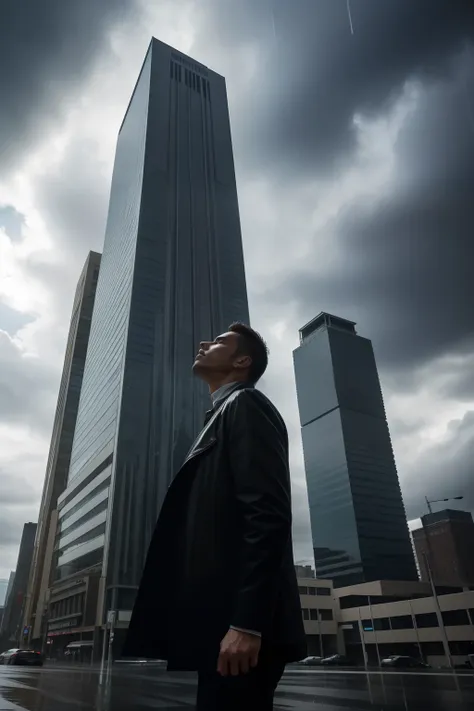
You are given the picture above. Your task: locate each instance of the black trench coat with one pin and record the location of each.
(221, 553)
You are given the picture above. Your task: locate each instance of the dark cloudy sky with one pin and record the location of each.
(354, 150)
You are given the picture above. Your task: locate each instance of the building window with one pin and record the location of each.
(312, 591)
(305, 614)
(326, 615)
(323, 591)
(455, 617)
(302, 590)
(404, 622)
(427, 619)
(313, 615)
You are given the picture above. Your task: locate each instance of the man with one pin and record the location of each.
(219, 592)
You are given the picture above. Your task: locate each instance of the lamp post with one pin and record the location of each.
(438, 501)
(426, 558)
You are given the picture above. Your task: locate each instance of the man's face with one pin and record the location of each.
(218, 356)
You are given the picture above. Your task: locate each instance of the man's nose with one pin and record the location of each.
(204, 345)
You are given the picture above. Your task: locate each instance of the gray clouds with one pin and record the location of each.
(46, 51)
(311, 105)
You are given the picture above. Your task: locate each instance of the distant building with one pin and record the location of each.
(3, 591)
(57, 466)
(359, 527)
(305, 571)
(13, 614)
(446, 539)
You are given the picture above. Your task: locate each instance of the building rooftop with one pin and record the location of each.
(446, 515)
(325, 320)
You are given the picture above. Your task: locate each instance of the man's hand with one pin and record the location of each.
(239, 653)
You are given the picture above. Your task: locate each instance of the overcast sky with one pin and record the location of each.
(354, 146)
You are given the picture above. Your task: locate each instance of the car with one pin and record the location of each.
(5, 654)
(335, 660)
(402, 661)
(23, 657)
(310, 661)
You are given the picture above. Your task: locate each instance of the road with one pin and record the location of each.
(142, 688)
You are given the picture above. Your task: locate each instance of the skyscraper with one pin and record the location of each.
(61, 441)
(358, 520)
(172, 273)
(13, 614)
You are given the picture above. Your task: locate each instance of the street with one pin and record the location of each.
(145, 687)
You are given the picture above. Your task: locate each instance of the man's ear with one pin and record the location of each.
(242, 362)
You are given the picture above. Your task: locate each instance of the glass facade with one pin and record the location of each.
(358, 520)
(172, 274)
(63, 430)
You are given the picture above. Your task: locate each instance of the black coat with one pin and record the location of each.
(221, 553)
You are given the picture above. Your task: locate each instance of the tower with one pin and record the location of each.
(358, 520)
(172, 273)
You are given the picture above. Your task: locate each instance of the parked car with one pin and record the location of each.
(23, 657)
(405, 662)
(311, 661)
(335, 660)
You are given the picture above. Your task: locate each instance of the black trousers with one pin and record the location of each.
(247, 692)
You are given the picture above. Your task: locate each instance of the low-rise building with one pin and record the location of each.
(320, 609)
(390, 617)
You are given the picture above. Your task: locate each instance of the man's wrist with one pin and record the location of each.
(240, 629)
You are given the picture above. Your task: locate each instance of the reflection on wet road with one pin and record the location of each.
(145, 687)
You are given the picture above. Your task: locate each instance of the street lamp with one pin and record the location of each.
(438, 501)
(434, 592)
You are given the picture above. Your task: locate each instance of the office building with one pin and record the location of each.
(12, 627)
(382, 617)
(61, 443)
(446, 541)
(358, 520)
(172, 273)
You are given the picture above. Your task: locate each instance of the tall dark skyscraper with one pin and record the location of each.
(57, 466)
(358, 520)
(172, 273)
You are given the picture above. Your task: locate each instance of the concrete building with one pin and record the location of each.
(60, 448)
(360, 532)
(172, 273)
(446, 541)
(12, 622)
(389, 617)
(320, 610)
(370, 621)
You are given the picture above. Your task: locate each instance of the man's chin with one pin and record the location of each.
(197, 366)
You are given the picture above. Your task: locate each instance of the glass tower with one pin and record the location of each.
(172, 273)
(61, 439)
(358, 520)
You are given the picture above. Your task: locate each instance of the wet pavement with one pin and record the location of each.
(145, 687)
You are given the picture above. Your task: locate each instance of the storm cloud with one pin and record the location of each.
(47, 50)
(354, 149)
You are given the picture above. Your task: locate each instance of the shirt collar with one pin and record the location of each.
(222, 393)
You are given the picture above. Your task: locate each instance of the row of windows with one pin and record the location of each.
(72, 605)
(317, 615)
(303, 590)
(190, 79)
(451, 618)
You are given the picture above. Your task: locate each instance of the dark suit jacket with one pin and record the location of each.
(221, 553)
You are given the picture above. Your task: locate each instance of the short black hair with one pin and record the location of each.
(253, 345)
